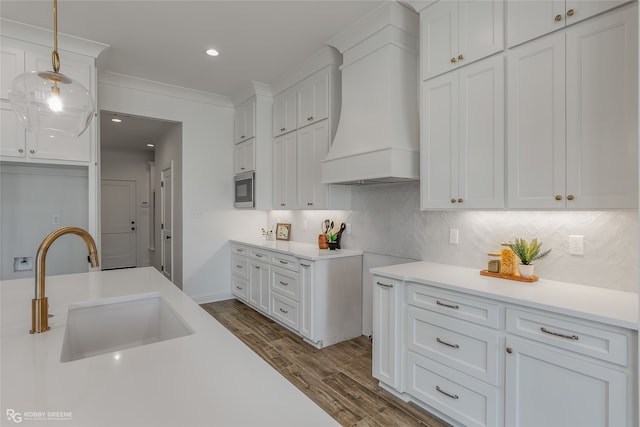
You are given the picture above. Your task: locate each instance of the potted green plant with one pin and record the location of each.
(333, 242)
(527, 252)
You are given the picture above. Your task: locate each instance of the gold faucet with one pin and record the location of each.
(39, 305)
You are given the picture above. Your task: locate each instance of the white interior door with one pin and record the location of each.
(166, 227)
(119, 238)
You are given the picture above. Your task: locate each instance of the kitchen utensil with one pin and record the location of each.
(343, 226)
(325, 226)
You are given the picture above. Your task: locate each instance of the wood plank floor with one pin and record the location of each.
(338, 378)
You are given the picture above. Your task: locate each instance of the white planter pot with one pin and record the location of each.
(526, 271)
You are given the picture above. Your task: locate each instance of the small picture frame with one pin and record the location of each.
(283, 231)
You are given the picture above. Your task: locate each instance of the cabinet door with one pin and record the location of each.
(313, 146)
(284, 113)
(480, 23)
(42, 146)
(439, 143)
(307, 300)
(536, 124)
(545, 387)
(244, 156)
(577, 10)
(11, 65)
(284, 171)
(439, 38)
(528, 19)
(259, 292)
(481, 135)
(12, 133)
(386, 336)
(602, 112)
(313, 99)
(245, 121)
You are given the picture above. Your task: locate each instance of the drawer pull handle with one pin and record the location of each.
(385, 285)
(239, 250)
(446, 343)
(283, 262)
(238, 287)
(284, 283)
(238, 266)
(453, 396)
(454, 306)
(558, 334)
(259, 256)
(305, 265)
(284, 311)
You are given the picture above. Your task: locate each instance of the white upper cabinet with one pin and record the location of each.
(528, 19)
(456, 33)
(462, 138)
(313, 146)
(284, 171)
(11, 65)
(245, 121)
(284, 112)
(572, 133)
(245, 156)
(313, 99)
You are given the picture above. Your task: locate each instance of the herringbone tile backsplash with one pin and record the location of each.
(386, 219)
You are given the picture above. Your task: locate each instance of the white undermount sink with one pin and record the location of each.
(113, 324)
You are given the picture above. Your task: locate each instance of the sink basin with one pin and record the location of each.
(113, 324)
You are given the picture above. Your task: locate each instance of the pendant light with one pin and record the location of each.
(49, 102)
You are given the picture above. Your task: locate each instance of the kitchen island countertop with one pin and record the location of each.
(208, 378)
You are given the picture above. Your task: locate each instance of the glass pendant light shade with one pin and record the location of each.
(51, 103)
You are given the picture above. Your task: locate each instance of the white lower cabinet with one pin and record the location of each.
(491, 362)
(319, 298)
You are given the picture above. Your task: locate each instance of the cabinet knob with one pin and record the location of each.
(558, 18)
(453, 200)
(133, 222)
(242, 137)
(241, 169)
(309, 203)
(509, 350)
(558, 197)
(32, 151)
(310, 118)
(570, 197)
(570, 12)
(460, 57)
(453, 60)
(282, 204)
(283, 129)
(20, 151)
(133, 229)
(460, 200)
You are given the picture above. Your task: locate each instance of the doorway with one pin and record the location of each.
(119, 224)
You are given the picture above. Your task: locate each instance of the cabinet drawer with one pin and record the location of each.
(285, 282)
(455, 305)
(454, 343)
(285, 261)
(258, 254)
(239, 250)
(239, 266)
(285, 311)
(468, 401)
(585, 338)
(239, 288)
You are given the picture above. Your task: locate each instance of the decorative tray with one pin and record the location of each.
(509, 277)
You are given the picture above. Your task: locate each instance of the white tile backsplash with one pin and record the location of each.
(386, 219)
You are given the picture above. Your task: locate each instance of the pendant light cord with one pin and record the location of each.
(55, 58)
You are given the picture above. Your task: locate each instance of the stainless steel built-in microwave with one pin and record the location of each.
(245, 190)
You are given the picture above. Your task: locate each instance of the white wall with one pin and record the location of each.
(132, 165)
(30, 197)
(386, 219)
(209, 219)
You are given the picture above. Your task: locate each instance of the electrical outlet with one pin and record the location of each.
(576, 245)
(453, 236)
(55, 219)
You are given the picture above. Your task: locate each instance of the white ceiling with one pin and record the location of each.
(164, 41)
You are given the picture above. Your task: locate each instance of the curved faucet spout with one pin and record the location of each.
(39, 305)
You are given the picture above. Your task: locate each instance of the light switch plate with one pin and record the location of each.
(576, 245)
(453, 236)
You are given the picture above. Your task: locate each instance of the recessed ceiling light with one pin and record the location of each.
(212, 52)
(150, 145)
(116, 120)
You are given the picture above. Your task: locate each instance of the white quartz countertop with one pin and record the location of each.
(298, 249)
(599, 304)
(209, 378)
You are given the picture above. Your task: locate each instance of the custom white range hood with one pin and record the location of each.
(378, 135)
